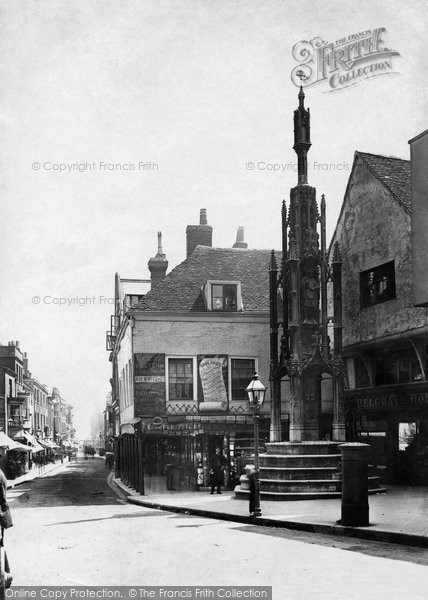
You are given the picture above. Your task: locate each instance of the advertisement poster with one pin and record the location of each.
(211, 373)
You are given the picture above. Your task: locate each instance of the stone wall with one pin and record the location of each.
(373, 229)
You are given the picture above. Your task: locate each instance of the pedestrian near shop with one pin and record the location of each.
(217, 466)
(249, 470)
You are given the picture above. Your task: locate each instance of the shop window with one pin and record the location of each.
(377, 285)
(426, 361)
(398, 366)
(242, 372)
(361, 375)
(407, 434)
(386, 369)
(180, 378)
(403, 366)
(415, 368)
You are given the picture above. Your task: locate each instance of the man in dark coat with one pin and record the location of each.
(217, 465)
(4, 507)
(249, 469)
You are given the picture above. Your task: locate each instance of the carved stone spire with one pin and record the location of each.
(302, 141)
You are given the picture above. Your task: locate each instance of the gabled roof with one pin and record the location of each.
(394, 173)
(181, 290)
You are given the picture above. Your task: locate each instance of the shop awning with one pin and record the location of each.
(10, 444)
(129, 426)
(23, 435)
(35, 446)
(45, 444)
(133, 421)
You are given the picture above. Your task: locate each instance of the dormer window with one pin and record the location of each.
(223, 296)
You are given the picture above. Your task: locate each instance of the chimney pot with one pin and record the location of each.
(240, 239)
(203, 217)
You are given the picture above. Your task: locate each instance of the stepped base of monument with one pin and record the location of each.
(302, 471)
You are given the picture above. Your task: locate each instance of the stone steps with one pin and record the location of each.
(307, 448)
(291, 473)
(300, 460)
(299, 471)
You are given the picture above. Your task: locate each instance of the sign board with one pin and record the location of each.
(388, 398)
(149, 384)
(149, 379)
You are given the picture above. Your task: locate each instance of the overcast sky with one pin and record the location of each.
(198, 88)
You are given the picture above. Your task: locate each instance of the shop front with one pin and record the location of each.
(175, 453)
(394, 421)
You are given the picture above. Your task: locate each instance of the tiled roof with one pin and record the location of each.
(181, 288)
(394, 173)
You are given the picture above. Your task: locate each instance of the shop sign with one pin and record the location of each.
(387, 398)
(157, 423)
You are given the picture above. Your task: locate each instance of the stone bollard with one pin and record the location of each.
(355, 503)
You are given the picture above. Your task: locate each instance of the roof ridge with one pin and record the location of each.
(181, 289)
(360, 152)
(230, 249)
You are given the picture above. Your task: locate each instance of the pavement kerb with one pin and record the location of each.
(366, 533)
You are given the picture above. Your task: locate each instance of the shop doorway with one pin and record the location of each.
(412, 468)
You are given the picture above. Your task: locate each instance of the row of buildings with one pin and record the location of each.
(29, 411)
(183, 345)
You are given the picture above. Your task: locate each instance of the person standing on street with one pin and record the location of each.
(4, 508)
(249, 469)
(217, 465)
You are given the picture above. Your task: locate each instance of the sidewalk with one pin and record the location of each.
(399, 516)
(35, 473)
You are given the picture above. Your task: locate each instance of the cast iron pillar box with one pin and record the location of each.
(355, 467)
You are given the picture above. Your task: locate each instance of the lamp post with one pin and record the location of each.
(256, 394)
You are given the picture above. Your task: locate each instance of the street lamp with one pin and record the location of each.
(256, 394)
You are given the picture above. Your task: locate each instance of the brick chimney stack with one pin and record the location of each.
(199, 235)
(158, 264)
(240, 239)
(25, 361)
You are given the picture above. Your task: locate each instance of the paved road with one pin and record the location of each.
(71, 528)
